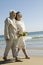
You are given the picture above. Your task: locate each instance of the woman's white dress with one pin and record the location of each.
(21, 28)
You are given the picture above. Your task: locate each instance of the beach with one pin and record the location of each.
(34, 60)
(34, 48)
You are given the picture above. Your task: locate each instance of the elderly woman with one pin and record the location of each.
(21, 33)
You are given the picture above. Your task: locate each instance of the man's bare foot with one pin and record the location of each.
(17, 60)
(5, 59)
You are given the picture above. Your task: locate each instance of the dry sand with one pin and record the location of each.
(34, 60)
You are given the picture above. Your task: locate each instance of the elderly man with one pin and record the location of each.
(10, 35)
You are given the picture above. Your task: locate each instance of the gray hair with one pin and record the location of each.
(12, 11)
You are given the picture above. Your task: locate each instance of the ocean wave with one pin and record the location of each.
(35, 37)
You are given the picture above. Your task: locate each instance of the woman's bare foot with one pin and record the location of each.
(27, 57)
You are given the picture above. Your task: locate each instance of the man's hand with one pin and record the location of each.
(7, 39)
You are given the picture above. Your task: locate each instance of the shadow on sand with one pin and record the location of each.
(5, 62)
(8, 61)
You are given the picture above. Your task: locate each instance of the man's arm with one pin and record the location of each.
(6, 29)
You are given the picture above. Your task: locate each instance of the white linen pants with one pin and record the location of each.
(11, 44)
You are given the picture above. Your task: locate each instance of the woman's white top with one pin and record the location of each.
(20, 26)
